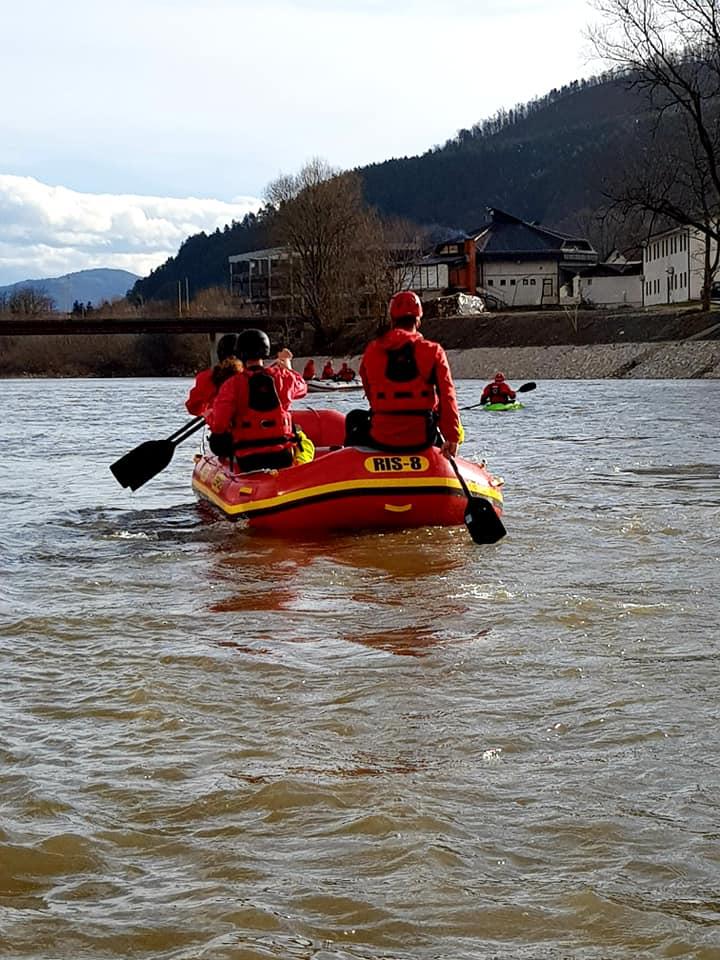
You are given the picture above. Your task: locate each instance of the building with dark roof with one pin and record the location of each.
(513, 262)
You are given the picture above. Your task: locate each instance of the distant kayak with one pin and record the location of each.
(515, 405)
(330, 386)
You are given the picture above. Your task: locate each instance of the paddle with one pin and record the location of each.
(523, 388)
(141, 464)
(483, 524)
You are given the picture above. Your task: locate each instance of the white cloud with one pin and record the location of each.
(217, 97)
(50, 230)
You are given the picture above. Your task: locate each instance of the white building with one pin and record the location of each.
(674, 266)
(617, 282)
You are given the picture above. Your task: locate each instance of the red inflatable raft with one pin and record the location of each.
(347, 488)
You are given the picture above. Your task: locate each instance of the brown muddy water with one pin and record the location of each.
(395, 746)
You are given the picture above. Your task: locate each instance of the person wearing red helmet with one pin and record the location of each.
(409, 385)
(498, 391)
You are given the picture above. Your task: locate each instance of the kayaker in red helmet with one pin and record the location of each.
(309, 370)
(409, 386)
(208, 382)
(328, 371)
(250, 417)
(498, 391)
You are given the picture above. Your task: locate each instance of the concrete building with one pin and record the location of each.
(674, 266)
(264, 279)
(617, 282)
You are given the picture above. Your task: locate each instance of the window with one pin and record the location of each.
(502, 283)
(532, 281)
(589, 280)
(525, 281)
(490, 283)
(512, 283)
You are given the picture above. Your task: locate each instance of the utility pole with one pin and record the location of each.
(183, 311)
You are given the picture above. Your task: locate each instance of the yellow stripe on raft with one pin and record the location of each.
(295, 496)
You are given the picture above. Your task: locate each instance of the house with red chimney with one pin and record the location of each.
(509, 261)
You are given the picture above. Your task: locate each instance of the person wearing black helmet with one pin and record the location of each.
(251, 414)
(208, 382)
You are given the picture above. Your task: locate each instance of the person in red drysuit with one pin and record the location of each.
(309, 370)
(346, 373)
(328, 371)
(498, 391)
(208, 382)
(250, 417)
(409, 385)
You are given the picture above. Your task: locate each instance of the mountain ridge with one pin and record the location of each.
(547, 161)
(92, 285)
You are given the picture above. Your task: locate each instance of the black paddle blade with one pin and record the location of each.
(526, 387)
(483, 524)
(142, 463)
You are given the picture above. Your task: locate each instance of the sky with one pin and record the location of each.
(129, 127)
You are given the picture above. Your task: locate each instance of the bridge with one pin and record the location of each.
(90, 325)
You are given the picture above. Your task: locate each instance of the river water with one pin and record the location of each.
(217, 745)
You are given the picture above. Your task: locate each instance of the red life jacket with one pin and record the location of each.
(402, 396)
(398, 384)
(261, 423)
(500, 392)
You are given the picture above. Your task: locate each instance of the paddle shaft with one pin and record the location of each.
(461, 478)
(482, 522)
(187, 430)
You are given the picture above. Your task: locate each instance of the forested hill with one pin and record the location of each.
(203, 259)
(547, 160)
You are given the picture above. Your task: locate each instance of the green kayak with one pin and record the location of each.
(515, 405)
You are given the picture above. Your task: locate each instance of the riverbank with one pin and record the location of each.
(658, 343)
(679, 360)
(662, 343)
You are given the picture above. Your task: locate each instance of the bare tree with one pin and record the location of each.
(392, 249)
(320, 216)
(29, 302)
(670, 50)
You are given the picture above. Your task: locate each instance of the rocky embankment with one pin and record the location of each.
(660, 343)
(671, 360)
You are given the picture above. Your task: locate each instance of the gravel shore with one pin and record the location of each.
(690, 359)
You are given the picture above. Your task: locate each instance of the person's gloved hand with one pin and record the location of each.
(449, 449)
(221, 444)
